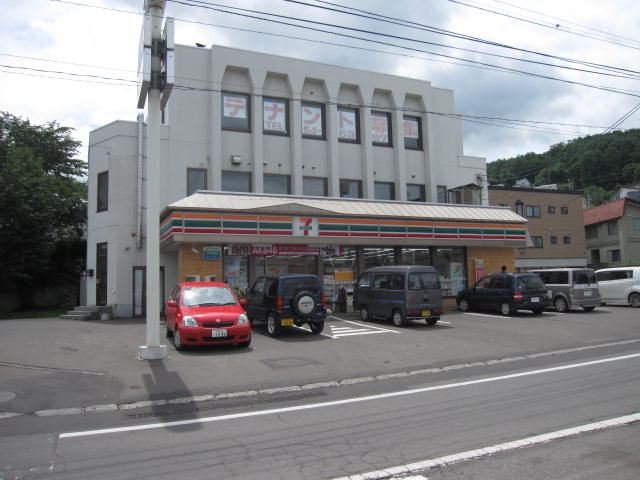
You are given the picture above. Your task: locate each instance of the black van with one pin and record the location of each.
(400, 292)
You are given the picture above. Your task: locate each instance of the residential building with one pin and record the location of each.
(274, 164)
(554, 223)
(613, 233)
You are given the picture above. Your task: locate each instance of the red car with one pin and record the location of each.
(204, 313)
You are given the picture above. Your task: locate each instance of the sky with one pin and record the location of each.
(75, 61)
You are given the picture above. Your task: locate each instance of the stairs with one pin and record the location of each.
(91, 312)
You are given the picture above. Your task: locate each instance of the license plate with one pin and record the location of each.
(286, 322)
(219, 332)
(587, 293)
(426, 313)
(535, 299)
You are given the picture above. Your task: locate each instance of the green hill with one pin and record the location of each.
(596, 164)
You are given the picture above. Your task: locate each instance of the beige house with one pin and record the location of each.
(613, 233)
(555, 226)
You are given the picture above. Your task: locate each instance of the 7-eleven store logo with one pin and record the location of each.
(305, 226)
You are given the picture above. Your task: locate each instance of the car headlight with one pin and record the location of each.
(242, 319)
(189, 321)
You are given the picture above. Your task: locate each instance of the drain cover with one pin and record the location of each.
(6, 396)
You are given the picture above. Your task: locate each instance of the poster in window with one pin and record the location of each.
(312, 120)
(411, 128)
(235, 106)
(347, 124)
(379, 128)
(275, 115)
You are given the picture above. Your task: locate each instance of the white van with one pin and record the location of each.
(619, 285)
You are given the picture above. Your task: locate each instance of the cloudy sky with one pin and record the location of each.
(75, 61)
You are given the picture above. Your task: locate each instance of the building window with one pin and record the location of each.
(537, 241)
(564, 210)
(595, 256)
(236, 182)
(533, 211)
(553, 240)
(275, 116)
(236, 112)
(384, 191)
(566, 240)
(348, 125)
(416, 193)
(591, 231)
(551, 209)
(381, 129)
(450, 263)
(313, 120)
(103, 191)
(612, 227)
(196, 180)
(520, 208)
(613, 256)
(278, 184)
(412, 133)
(635, 224)
(314, 187)
(350, 188)
(442, 194)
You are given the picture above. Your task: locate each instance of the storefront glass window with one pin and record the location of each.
(235, 273)
(375, 257)
(450, 265)
(416, 256)
(339, 272)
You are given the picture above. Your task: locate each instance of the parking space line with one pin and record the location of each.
(369, 326)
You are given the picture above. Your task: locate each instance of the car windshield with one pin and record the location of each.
(530, 282)
(207, 297)
(294, 285)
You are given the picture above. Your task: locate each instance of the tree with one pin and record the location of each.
(42, 205)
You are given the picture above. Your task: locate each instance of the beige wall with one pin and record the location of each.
(191, 263)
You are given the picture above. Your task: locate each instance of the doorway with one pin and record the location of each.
(140, 291)
(101, 273)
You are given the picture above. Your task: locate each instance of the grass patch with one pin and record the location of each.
(36, 313)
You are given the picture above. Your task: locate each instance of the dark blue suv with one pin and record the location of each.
(287, 300)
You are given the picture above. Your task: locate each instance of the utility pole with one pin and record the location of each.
(152, 57)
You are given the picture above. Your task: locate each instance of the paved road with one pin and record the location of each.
(88, 378)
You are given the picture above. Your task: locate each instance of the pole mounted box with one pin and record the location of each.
(167, 61)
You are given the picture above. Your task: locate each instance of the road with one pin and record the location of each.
(489, 394)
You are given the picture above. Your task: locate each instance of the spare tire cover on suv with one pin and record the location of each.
(304, 304)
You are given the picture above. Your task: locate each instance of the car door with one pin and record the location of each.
(171, 312)
(480, 294)
(254, 308)
(362, 292)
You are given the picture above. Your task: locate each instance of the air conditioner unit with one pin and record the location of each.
(193, 278)
(209, 278)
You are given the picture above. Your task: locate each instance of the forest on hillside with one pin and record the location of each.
(595, 164)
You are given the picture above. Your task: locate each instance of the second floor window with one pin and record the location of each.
(275, 116)
(591, 231)
(416, 193)
(384, 191)
(551, 209)
(442, 194)
(236, 110)
(348, 125)
(350, 188)
(236, 182)
(612, 227)
(537, 242)
(314, 186)
(313, 120)
(381, 129)
(533, 211)
(279, 184)
(412, 133)
(196, 180)
(553, 240)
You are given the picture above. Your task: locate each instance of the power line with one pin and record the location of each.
(622, 119)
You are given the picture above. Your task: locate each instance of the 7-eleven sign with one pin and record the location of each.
(305, 226)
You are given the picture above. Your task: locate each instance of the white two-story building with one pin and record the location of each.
(275, 164)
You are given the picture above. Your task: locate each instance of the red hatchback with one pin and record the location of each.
(204, 313)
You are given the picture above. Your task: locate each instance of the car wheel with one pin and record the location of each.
(316, 327)
(244, 344)
(463, 306)
(432, 321)
(364, 313)
(398, 318)
(588, 309)
(506, 308)
(634, 300)
(177, 341)
(538, 311)
(273, 326)
(560, 304)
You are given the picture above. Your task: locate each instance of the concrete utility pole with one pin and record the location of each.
(153, 350)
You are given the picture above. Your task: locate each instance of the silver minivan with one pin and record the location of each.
(571, 287)
(620, 285)
(399, 292)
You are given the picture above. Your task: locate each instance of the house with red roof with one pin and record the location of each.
(613, 233)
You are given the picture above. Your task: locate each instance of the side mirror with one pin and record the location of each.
(172, 303)
(243, 301)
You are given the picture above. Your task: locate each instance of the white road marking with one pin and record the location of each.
(486, 451)
(485, 315)
(371, 326)
(346, 401)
